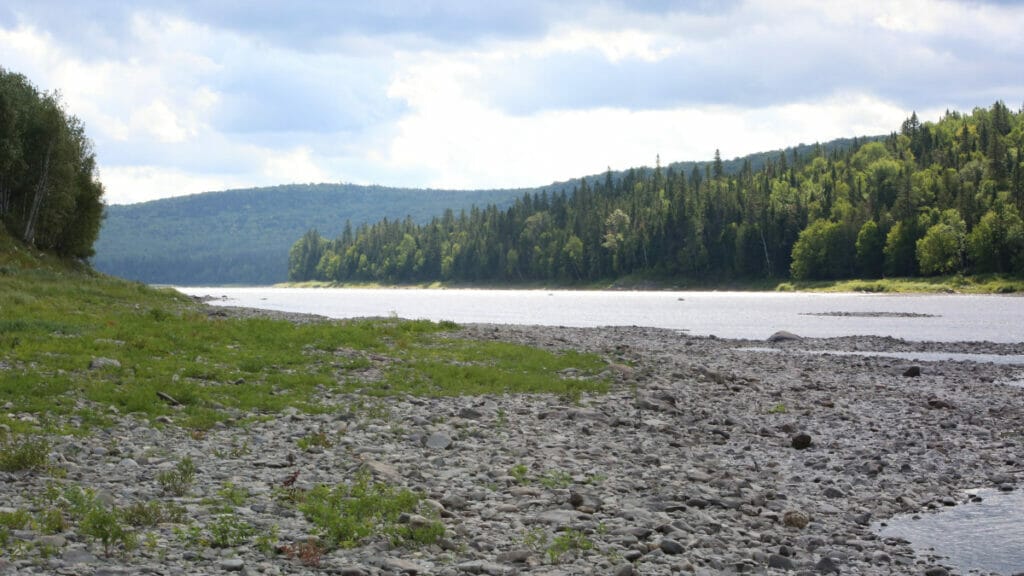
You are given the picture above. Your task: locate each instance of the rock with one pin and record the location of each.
(936, 571)
(912, 372)
(382, 470)
(402, 565)
(518, 556)
(669, 546)
(102, 363)
(556, 517)
(485, 567)
(795, 519)
(624, 569)
(232, 564)
(800, 441)
(780, 562)
(783, 336)
(938, 403)
(438, 441)
(470, 413)
(833, 492)
(827, 565)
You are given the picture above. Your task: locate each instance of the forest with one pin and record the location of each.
(932, 198)
(243, 236)
(50, 196)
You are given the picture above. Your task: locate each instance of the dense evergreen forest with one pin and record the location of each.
(932, 198)
(243, 236)
(50, 197)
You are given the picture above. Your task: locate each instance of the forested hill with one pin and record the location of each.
(243, 236)
(932, 198)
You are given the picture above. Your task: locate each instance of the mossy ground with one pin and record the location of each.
(57, 317)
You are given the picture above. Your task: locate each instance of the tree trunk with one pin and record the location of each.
(37, 201)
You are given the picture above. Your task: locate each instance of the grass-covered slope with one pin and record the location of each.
(77, 346)
(243, 236)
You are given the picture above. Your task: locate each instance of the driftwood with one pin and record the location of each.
(167, 398)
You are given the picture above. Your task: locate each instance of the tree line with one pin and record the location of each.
(50, 196)
(931, 198)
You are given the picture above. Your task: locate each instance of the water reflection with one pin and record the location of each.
(986, 535)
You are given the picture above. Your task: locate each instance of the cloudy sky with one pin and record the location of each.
(198, 95)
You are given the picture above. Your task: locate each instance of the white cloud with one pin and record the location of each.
(293, 166)
(183, 104)
(132, 184)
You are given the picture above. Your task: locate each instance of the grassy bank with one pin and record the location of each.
(77, 347)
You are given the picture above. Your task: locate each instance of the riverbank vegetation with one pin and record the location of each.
(50, 196)
(942, 198)
(77, 346)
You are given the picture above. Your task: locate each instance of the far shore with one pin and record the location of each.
(982, 284)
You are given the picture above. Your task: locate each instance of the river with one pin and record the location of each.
(750, 315)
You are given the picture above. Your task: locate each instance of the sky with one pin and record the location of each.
(202, 95)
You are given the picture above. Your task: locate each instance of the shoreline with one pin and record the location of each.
(687, 465)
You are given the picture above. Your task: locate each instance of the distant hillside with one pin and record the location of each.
(243, 236)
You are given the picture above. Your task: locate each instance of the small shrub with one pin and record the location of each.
(348, 514)
(152, 513)
(228, 531)
(28, 454)
(232, 494)
(318, 439)
(556, 479)
(179, 480)
(518, 472)
(104, 525)
(568, 542)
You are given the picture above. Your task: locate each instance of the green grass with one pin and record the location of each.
(979, 284)
(348, 514)
(57, 317)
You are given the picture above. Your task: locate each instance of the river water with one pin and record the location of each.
(752, 315)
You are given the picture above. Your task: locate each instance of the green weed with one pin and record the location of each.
(570, 542)
(24, 454)
(348, 514)
(556, 479)
(178, 481)
(519, 473)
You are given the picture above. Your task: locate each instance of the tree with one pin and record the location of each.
(942, 248)
(49, 194)
(870, 250)
(997, 242)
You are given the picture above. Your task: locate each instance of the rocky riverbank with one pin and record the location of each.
(704, 458)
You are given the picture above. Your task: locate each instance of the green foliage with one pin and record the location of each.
(817, 212)
(49, 194)
(152, 513)
(179, 480)
(556, 479)
(23, 454)
(348, 514)
(228, 531)
(942, 248)
(520, 473)
(104, 524)
(570, 542)
(244, 236)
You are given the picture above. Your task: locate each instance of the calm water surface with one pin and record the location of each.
(984, 535)
(754, 315)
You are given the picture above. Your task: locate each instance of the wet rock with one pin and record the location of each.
(936, 571)
(912, 372)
